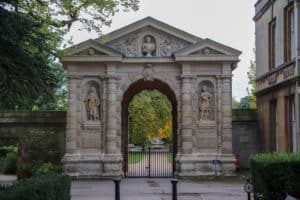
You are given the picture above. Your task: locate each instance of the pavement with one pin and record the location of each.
(157, 189)
(7, 179)
(151, 189)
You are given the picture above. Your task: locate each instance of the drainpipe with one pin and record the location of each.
(297, 71)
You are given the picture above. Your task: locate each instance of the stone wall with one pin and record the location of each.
(245, 135)
(40, 135)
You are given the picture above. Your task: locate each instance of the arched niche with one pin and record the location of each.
(91, 104)
(206, 101)
(148, 43)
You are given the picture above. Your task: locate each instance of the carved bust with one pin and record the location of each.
(205, 104)
(148, 46)
(92, 105)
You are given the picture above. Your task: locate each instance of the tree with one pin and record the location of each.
(60, 15)
(149, 112)
(235, 103)
(31, 33)
(252, 82)
(24, 59)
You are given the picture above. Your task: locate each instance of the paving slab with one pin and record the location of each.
(157, 189)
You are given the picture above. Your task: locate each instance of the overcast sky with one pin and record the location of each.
(226, 21)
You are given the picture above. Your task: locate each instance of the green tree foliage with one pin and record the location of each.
(252, 77)
(31, 33)
(24, 59)
(235, 103)
(252, 82)
(149, 111)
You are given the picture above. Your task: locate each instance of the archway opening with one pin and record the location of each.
(160, 140)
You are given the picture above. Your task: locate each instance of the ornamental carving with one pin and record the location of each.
(92, 104)
(207, 51)
(148, 73)
(206, 102)
(128, 47)
(168, 45)
(136, 44)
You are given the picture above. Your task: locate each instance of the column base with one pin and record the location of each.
(193, 165)
(93, 166)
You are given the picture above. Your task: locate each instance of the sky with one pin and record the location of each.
(225, 21)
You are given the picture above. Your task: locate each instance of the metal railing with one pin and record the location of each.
(150, 163)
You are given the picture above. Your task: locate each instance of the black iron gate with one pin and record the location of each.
(149, 163)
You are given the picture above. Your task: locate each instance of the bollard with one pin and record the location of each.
(174, 188)
(248, 187)
(117, 188)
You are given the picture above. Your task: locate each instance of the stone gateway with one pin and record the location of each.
(106, 73)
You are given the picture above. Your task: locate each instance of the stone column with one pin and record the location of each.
(111, 121)
(72, 125)
(227, 110)
(186, 110)
(219, 112)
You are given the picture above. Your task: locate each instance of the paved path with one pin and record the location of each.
(160, 166)
(7, 179)
(157, 189)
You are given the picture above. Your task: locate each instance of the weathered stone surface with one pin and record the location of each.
(194, 73)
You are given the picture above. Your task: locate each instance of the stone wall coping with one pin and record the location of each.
(45, 117)
(239, 115)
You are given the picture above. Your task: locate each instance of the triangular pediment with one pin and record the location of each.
(166, 39)
(155, 24)
(91, 48)
(207, 47)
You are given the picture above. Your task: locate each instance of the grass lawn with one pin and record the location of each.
(170, 157)
(135, 157)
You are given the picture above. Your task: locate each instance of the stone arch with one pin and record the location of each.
(135, 88)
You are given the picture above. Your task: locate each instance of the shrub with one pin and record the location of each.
(10, 163)
(275, 175)
(7, 149)
(25, 170)
(47, 187)
(47, 168)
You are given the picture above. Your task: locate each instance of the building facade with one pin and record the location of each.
(106, 73)
(277, 29)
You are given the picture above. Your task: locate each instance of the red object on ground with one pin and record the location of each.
(237, 162)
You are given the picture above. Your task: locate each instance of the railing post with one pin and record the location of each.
(149, 172)
(174, 188)
(117, 188)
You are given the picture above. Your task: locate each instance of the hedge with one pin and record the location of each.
(275, 175)
(48, 187)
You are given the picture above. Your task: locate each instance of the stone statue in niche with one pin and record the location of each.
(148, 46)
(92, 105)
(205, 104)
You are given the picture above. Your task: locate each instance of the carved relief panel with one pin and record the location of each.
(148, 42)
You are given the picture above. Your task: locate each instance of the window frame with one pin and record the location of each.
(272, 44)
(288, 10)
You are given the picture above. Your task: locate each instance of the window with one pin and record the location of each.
(274, 132)
(289, 33)
(272, 44)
